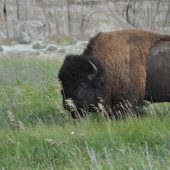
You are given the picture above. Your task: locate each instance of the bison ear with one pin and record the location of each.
(95, 72)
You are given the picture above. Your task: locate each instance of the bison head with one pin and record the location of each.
(83, 80)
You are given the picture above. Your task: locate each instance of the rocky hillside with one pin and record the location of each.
(28, 20)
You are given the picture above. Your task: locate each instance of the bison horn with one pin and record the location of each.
(95, 71)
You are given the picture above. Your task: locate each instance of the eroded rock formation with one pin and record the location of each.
(27, 20)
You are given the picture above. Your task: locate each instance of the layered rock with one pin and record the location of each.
(28, 20)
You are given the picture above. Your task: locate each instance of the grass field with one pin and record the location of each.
(36, 133)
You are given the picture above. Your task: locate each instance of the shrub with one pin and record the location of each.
(38, 45)
(52, 47)
(1, 49)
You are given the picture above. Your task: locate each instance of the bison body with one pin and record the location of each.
(112, 68)
(158, 73)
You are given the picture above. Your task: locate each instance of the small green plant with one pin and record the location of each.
(38, 45)
(52, 47)
(1, 49)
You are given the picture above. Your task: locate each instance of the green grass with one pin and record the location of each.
(36, 133)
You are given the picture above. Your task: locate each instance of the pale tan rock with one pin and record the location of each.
(79, 19)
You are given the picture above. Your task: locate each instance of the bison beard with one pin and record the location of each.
(112, 68)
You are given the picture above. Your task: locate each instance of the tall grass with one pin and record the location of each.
(29, 89)
(36, 133)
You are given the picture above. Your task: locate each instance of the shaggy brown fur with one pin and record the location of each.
(123, 55)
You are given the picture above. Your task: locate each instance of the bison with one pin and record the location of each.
(116, 67)
(158, 73)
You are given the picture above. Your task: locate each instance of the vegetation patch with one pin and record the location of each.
(1, 49)
(36, 133)
(52, 47)
(38, 45)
